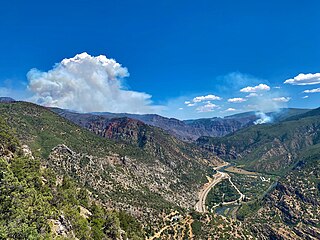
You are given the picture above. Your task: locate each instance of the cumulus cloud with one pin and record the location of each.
(209, 97)
(258, 88)
(281, 99)
(208, 107)
(304, 97)
(236, 100)
(200, 99)
(304, 79)
(86, 83)
(230, 110)
(316, 90)
(252, 95)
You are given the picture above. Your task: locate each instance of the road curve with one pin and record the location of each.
(218, 177)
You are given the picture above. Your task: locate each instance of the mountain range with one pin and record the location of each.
(187, 130)
(122, 176)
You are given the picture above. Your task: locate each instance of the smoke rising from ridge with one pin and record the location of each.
(263, 118)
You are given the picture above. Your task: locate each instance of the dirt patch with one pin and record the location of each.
(240, 171)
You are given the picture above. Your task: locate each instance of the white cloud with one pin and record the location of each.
(304, 97)
(191, 104)
(236, 100)
(258, 88)
(209, 97)
(230, 110)
(195, 101)
(281, 99)
(252, 95)
(316, 90)
(304, 79)
(86, 83)
(208, 107)
(277, 87)
(180, 108)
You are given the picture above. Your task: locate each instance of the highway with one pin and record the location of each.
(218, 177)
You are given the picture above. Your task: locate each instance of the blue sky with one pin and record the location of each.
(171, 52)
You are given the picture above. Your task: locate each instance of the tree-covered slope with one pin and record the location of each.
(36, 203)
(270, 148)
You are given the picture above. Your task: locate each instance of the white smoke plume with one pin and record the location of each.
(263, 118)
(88, 84)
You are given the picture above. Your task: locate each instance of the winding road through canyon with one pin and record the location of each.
(218, 177)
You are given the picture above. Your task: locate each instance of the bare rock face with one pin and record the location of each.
(27, 151)
(85, 212)
(62, 227)
(125, 129)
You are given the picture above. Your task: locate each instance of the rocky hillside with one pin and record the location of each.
(268, 148)
(151, 139)
(38, 203)
(292, 209)
(188, 130)
(144, 171)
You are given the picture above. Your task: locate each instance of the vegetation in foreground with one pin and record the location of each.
(38, 204)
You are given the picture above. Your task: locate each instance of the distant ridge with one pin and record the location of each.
(187, 130)
(311, 113)
(6, 100)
